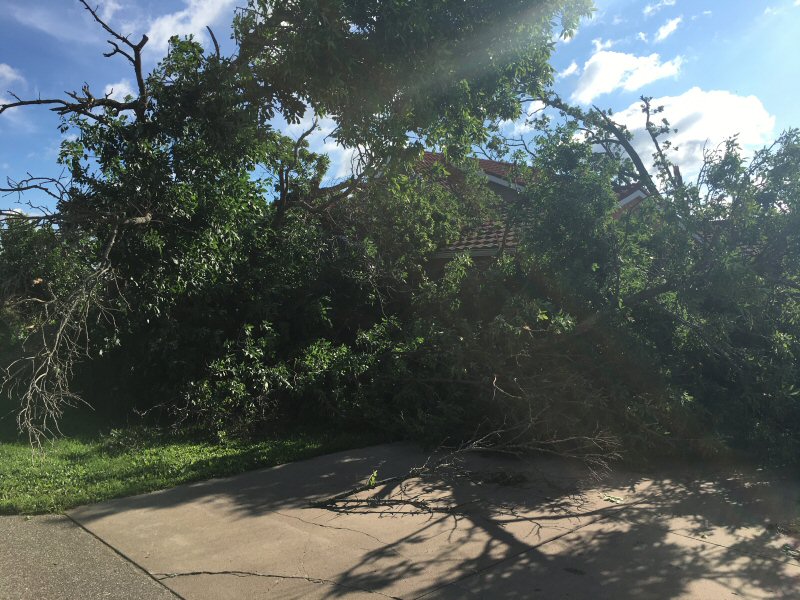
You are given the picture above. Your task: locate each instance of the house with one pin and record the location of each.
(493, 237)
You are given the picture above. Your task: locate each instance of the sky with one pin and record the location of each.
(719, 67)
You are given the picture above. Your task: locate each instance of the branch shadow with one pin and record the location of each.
(544, 529)
(696, 533)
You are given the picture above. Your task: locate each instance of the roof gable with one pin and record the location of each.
(490, 237)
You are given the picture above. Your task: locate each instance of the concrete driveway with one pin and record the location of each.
(51, 558)
(507, 529)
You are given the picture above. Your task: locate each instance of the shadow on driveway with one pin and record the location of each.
(502, 529)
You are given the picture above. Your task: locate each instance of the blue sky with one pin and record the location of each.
(718, 66)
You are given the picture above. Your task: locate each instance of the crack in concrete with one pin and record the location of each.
(122, 555)
(305, 552)
(386, 545)
(317, 580)
(326, 526)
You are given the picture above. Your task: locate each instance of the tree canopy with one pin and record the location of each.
(195, 263)
(434, 70)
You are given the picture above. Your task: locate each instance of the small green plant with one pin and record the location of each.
(373, 479)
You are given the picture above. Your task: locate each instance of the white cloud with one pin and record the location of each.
(66, 24)
(771, 11)
(667, 29)
(596, 18)
(559, 38)
(534, 107)
(325, 125)
(68, 21)
(607, 71)
(524, 124)
(119, 90)
(108, 8)
(9, 75)
(599, 44)
(191, 20)
(320, 141)
(342, 161)
(703, 119)
(652, 9)
(14, 116)
(641, 36)
(572, 69)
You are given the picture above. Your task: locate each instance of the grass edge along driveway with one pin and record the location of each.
(71, 471)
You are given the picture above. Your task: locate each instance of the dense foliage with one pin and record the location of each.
(195, 263)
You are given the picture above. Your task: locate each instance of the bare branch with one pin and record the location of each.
(141, 103)
(117, 50)
(40, 379)
(595, 451)
(85, 103)
(622, 139)
(215, 42)
(121, 38)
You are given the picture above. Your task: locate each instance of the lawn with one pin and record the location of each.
(95, 462)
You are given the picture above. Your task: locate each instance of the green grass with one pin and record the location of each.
(93, 464)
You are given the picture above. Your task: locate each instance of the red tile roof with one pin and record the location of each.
(490, 167)
(490, 236)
